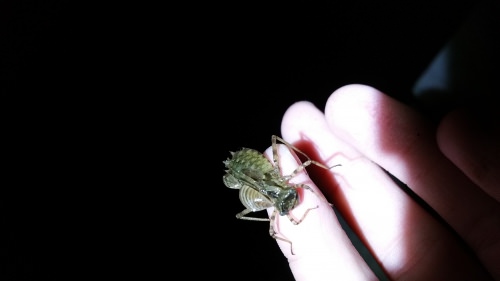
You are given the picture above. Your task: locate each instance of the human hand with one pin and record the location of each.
(363, 129)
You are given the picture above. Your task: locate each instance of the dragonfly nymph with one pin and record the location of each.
(261, 184)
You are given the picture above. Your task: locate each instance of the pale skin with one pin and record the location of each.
(453, 166)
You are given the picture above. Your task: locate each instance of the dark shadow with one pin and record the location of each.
(466, 70)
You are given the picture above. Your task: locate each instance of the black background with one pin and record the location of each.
(118, 119)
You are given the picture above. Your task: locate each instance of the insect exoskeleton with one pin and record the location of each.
(262, 185)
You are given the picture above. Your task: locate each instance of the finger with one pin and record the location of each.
(398, 139)
(321, 250)
(472, 144)
(404, 238)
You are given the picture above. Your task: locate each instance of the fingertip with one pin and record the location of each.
(343, 102)
(291, 115)
(297, 110)
(298, 117)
